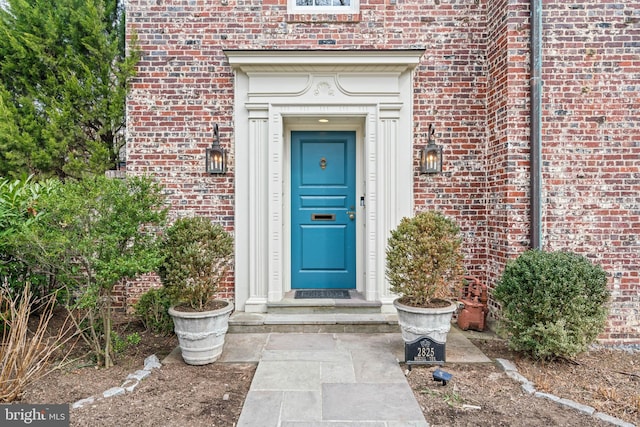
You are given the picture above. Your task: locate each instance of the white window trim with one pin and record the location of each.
(354, 7)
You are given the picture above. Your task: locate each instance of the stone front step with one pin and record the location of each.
(324, 306)
(353, 315)
(332, 322)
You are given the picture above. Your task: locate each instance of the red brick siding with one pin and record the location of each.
(497, 142)
(450, 87)
(507, 135)
(472, 85)
(591, 145)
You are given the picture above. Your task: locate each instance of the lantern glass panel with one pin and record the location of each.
(431, 159)
(215, 160)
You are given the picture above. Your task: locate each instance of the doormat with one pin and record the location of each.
(323, 293)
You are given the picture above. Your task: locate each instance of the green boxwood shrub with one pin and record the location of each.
(153, 309)
(424, 259)
(554, 304)
(197, 255)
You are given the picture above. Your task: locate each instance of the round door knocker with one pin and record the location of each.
(323, 163)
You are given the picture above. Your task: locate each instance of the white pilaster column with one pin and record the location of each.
(394, 184)
(371, 155)
(257, 219)
(275, 207)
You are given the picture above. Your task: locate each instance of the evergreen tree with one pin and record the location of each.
(63, 83)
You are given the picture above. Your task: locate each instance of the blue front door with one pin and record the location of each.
(323, 236)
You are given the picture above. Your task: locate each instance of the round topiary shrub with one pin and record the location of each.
(197, 255)
(553, 303)
(424, 259)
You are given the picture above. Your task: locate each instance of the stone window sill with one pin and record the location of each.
(293, 18)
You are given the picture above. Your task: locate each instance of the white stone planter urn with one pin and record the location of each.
(418, 322)
(201, 333)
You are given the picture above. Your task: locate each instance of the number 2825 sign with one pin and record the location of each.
(425, 351)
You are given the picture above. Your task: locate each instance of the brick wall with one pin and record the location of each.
(591, 144)
(472, 85)
(450, 88)
(507, 135)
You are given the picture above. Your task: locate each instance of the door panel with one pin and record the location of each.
(322, 198)
(322, 240)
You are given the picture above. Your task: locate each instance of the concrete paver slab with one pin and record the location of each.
(302, 406)
(370, 402)
(377, 368)
(338, 372)
(294, 341)
(317, 356)
(243, 348)
(263, 409)
(370, 342)
(286, 375)
(460, 349)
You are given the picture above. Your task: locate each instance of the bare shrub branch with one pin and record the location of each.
(25, 355)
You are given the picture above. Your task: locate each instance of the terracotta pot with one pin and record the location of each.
(201, 333)
(417, 322)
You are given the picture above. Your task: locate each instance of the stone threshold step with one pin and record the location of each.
(241, 322)
(355, 304)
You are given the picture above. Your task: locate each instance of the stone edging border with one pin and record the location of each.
(512, 372)
(130, 383)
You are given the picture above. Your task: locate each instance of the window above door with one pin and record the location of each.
(323, 6)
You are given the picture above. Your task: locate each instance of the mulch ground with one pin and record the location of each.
(479, 394)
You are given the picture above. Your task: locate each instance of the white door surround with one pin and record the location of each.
(370, 92)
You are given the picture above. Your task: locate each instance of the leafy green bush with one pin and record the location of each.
(120, 344)
(94, 233)
(553, 303)
(424, 261)
(153, 309)
(197, 255)
(19, 214)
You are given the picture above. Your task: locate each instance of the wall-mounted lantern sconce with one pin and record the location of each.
(216, 157)
(431, 155)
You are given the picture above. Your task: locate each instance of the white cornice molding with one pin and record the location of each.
(324, 60)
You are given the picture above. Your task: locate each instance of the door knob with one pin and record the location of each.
(351, 214)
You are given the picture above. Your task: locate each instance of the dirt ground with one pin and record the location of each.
(479, 394)
(482, 394)
(176, 395)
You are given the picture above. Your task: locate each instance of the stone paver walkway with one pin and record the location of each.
(316, 379)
